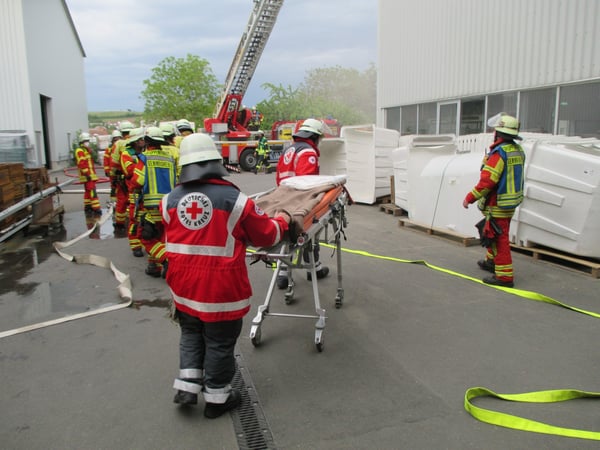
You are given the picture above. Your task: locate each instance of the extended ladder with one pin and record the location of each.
(253, 41)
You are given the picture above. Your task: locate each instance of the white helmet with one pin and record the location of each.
(116, 134)
(199, 158)
(168, 129)
(84, 137)
(311, 127)
(126, 126)
(155, 134)
(184, 125)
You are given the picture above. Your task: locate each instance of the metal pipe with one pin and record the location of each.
(32, 199)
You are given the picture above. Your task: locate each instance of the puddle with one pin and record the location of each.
(27, 302)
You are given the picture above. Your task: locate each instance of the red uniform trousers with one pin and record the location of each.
(499, 251)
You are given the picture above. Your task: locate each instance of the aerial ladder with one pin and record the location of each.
(230, 118)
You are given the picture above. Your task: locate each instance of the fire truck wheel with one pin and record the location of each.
(248, 160)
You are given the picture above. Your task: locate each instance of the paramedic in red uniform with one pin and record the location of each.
(498, 193)
(302, 158)
(208, 224)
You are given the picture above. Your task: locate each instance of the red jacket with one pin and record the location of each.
(208, 226)
(85, 164)
(302, 158)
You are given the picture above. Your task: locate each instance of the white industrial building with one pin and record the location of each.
(445, 66)
(42, 83)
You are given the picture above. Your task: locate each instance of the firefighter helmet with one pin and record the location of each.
(126, 126)
(505, 124)
(184, 125)
(200, 159)
(135, 134)
(154, 134)
(84, 137)
(167, 129)
(312, 127)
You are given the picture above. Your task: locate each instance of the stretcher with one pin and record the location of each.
(317, 205)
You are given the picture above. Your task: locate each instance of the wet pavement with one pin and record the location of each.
(397, 359)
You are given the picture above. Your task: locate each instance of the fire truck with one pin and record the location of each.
(229, 124)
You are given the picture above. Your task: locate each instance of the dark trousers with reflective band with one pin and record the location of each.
(209, 346)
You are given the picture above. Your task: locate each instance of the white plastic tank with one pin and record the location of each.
(368, 161)
(561, 208)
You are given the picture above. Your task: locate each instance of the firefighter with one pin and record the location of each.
(87, 175)
(262, 153)
(169, 134)
(132, 168)
(498, 193)
(116, 135)
(118, 179)
(208, 225)
(184, 127)
(302, 158)
(155, 180)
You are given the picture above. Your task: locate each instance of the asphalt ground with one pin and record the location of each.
(397, 357)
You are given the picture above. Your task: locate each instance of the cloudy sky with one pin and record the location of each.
(125, 39)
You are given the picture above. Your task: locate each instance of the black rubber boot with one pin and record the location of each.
(496, 282)
(321, 273)
(487, 265)
(214, 410)
(185, 398)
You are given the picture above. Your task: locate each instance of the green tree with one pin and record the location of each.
(344, 94)
(180, 87)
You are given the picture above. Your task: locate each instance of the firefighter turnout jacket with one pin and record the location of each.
(301, 158)
(85, 164)
(500, 187)
(208, 225)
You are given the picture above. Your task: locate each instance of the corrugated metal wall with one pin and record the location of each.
(437, 49)
(15, 113)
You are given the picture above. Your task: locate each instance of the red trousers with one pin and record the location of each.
(90, 196)
(499, 251)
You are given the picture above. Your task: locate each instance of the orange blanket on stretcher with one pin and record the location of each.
(305, 206)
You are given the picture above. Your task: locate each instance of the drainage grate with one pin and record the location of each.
(251, 426)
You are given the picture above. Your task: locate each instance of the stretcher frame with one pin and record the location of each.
(329, 229)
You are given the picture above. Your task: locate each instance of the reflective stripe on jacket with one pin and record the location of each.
(158, 176)
(85, 164)
(207, 228)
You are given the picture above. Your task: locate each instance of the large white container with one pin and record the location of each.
(561, 209)
(368, 161)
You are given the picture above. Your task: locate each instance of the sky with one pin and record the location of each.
(125, 39)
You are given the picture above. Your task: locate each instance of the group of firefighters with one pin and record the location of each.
(142, 165)
(172, 200)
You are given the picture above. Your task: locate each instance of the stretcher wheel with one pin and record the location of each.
(339, 298)
(319, 345)
(289, 296)
(256, 338)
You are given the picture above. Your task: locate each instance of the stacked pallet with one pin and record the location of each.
(16, 183)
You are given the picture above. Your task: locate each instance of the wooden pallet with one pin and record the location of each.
(390, 208)
(466, 241)
(564, 259)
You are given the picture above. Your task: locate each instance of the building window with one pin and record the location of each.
(579, 110)
(537, 110)
(428, 118)
(409, 120)
(448, 116)
(506, 102)
(392, 118)
(471, 116)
